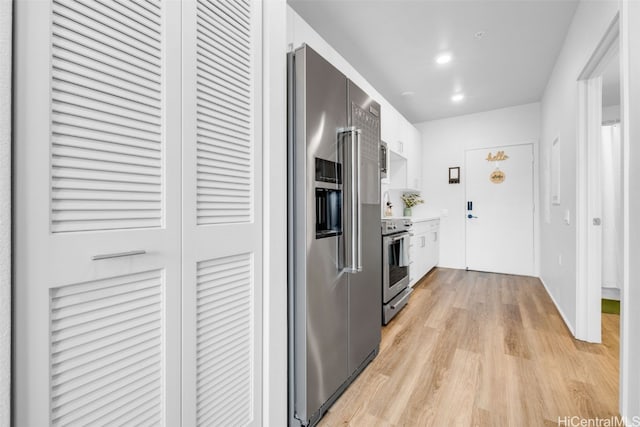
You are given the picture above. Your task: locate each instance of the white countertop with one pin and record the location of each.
(419, 218)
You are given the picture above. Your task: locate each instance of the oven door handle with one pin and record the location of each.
(400, 237)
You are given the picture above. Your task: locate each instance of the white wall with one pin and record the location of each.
(444, 143)
(630, 334)
(560, 119)
(5, 211)
(299, 32)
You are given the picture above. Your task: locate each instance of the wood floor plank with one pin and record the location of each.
(482, 349)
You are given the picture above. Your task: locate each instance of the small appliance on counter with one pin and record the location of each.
(396, 263)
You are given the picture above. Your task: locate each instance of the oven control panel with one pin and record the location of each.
(392, 226)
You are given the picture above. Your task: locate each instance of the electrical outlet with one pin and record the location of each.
(560, 259)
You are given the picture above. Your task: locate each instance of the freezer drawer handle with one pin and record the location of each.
(352, 252)
(117, 255)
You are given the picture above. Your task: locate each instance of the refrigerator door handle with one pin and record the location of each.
(352, 215)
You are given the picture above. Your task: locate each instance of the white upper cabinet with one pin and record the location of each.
(388, 125)
(405, 144)
(414, 158)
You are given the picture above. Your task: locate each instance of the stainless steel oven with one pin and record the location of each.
(395, 266)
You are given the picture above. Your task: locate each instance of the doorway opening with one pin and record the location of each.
(600, 168)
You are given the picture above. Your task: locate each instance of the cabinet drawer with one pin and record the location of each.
(421, 227)
(424, 226)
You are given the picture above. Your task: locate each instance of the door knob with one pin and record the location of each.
(597, 221)
(471, 216)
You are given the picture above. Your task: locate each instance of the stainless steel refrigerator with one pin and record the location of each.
(334, 234)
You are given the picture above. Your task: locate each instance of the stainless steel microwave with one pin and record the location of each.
(384, 160)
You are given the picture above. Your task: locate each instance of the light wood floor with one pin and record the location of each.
(482, 349)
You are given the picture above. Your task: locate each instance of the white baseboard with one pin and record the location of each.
(564, 318)
(611, 293)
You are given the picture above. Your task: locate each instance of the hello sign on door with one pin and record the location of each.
(497, 176)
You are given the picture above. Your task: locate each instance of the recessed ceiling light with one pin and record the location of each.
(457, 97)
(444, 58)
(408, 93)
(479, 34)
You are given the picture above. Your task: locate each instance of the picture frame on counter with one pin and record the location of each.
(454, 175)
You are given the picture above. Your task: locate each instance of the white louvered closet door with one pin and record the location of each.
(97, 108)
(222, 213)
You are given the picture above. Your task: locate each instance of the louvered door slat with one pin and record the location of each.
(102, 83)
(104, 148)
(78, 159)
(69, 37)
(87, 321)
(120, 375)
(63, 133)
(100, 100)
(224, 116)
(144, 16)
(110, 68)
(80, 375)
(223, 138)
(214, 15)
(132, 19)
(224, 337)
(106, 117)
(103, 24)
(217, 38)
(106, 110)
(88, 190)
(70, 196)
(90, 152)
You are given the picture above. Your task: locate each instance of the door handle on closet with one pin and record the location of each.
(118, 255)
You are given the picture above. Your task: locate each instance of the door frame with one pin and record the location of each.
(536, 198)
(588, 192)
(6, 38)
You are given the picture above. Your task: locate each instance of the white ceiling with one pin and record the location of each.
(393, 44)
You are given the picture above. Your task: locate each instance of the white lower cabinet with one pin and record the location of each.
(425, 248)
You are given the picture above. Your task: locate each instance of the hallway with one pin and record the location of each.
(482, 349)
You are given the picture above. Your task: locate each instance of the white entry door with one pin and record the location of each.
(499, 215)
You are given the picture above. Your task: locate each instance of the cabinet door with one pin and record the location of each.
(436, 246)
(413, 257)
(414, 159)
(97, 186)
(222, 212)
(433, 246)
(388, 126)
(401, 138)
